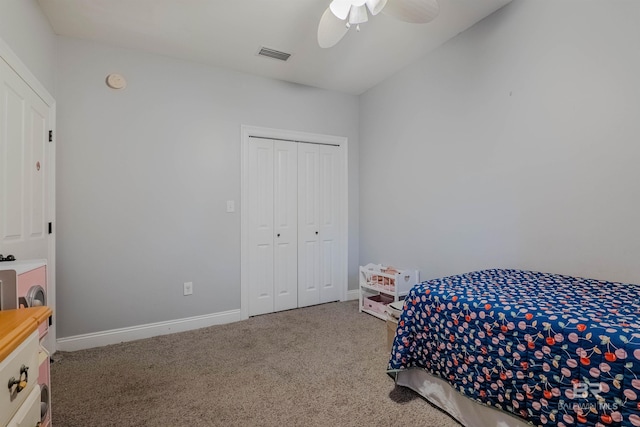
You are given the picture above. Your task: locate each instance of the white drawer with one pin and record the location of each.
(29, 413)
(26, 354)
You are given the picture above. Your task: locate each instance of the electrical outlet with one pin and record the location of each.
(188, 288)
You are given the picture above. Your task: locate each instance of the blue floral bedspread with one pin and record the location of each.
(554, 350)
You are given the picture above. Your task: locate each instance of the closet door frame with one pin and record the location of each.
(247, 132)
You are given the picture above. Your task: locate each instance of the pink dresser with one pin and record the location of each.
(23, 284)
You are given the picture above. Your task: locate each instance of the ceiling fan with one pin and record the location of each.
(342, 14)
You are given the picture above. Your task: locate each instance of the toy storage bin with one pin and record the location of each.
(377, 303)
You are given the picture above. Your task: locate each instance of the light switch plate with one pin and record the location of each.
(231, 206)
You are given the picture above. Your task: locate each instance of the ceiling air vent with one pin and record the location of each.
(275, 54)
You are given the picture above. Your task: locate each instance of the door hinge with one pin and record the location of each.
(50, 228)
(50, 136)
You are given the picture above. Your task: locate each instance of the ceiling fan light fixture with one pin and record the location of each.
(332, 26)
(358, 15)
(340, 8)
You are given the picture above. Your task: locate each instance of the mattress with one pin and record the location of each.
(546, 348)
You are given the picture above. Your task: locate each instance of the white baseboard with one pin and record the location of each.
(115, 336)
(353, 294)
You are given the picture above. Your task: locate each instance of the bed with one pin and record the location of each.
(511, 347)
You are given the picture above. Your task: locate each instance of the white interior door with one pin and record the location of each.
(24, 135)
(286, 225)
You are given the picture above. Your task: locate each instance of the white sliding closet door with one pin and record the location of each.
(318, 230)
(272, 199)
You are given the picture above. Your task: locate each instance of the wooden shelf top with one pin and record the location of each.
(17, 325)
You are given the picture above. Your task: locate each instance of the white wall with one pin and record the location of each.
(25, 29)
(144, 175)
(514, 145)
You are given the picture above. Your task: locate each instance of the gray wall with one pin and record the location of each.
(514, 145)
(144, 175)
(26, 30)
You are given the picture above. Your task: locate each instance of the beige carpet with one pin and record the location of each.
(317, 366)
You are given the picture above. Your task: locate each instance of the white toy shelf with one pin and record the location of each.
(381, 285)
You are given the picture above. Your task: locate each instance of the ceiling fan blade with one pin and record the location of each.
(331, 29)
(413, 11)
(376, 6)
(340, 8)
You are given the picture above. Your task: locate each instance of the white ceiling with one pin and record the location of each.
(229, 33)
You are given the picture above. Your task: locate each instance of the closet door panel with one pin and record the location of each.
(308, 225)
(261, 252)
(286, 225)
(329, 173)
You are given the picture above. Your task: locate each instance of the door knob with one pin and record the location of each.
(278, 235)
(316, 233)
